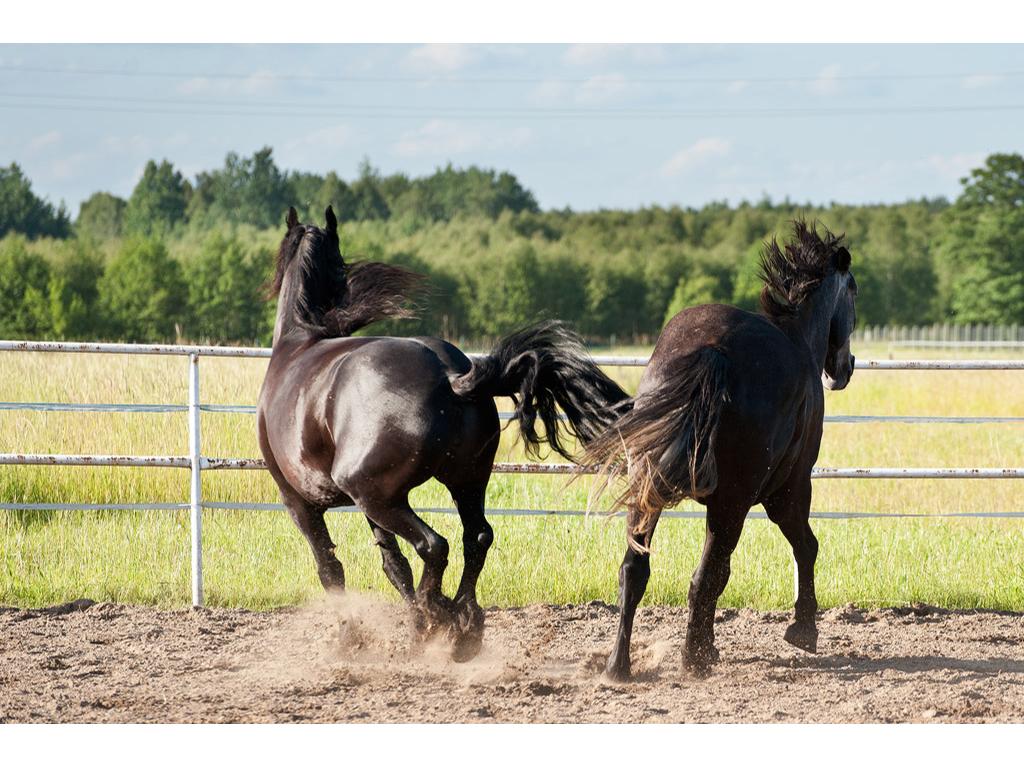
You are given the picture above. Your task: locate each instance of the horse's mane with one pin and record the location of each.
(792, 272)
(331, 298)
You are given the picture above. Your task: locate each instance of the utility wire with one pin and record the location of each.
(371, 112)
(447, 79)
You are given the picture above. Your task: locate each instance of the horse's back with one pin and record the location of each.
(773, 398)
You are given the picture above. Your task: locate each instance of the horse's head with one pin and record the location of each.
(839, 361)
(312, 244)
(319, 294)
(310, 277)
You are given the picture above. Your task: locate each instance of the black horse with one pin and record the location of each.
(729, 412)
(367, 419)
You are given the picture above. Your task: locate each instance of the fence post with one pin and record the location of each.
(196, 497)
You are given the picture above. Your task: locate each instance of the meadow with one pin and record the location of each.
(258, 559)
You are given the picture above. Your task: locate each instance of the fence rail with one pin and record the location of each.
(945, 334)
(197, 463)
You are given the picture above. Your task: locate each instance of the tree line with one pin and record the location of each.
(187, 259)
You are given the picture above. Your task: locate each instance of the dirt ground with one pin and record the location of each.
(353, 661)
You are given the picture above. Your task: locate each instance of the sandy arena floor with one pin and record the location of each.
(352, 661)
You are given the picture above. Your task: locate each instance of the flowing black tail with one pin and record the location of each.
(665, 445)
(541, 368)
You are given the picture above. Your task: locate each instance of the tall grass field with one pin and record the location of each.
(258, 559)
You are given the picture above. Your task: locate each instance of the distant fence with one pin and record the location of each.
(196, 462)
(944, 334)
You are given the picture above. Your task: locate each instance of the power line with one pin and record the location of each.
(449, 79)
(374, 112)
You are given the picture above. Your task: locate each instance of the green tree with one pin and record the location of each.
(982, 248)
(747, 283)
(74, 292)
(158, 203)
(989, 286)
(1000, 182)
(142, 292)
(697, 288)
(247, 190)
(472, 191)
(101, 216)
(24, 302)
(22, 211)
(614, 301)
(224, 298)
(368, 201)
(896, 280)
(505, 295)
(314, 193)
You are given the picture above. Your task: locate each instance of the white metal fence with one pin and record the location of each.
(967, 335)
(196, 462)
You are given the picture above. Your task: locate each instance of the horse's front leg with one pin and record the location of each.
(477, 537)
(790, 509)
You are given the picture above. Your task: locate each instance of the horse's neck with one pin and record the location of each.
(286, 324)
(813, 317)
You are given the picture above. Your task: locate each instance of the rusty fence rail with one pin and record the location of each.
(196, 462)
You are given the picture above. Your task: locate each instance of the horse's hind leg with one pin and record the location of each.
(477, 537)
(633, 576)
(397, 517)
(310, 520)
(396, 567)
(789, 508)
(722, 533)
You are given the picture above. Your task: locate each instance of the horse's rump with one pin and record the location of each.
(665, 445)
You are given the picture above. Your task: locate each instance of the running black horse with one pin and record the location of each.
(729, 412)
(368, 419)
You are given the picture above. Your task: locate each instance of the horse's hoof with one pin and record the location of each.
(467, 646)
(469, 617)
(803, 636)
(618, 672)
(467, 630)
(698, 661)
(434, 616)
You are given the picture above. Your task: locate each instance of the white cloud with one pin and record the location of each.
(69, 166)
(826, 82)
(446, 138)
(260, 82)
(48, 139)
(330, 137)
(590, 55)
(737, 86)
(955, 166)
(440, 58)
(552, 92)
(593, 90)
(696, 154)
(601, 88)
(974, 82)
(313, 149)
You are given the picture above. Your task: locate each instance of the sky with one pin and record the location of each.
(583, 126)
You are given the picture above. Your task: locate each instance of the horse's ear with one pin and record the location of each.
(841, 259)
(293, 218)
(332, 220)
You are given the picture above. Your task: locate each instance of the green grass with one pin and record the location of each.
(259, 560)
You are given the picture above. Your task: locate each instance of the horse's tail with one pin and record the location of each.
(665, 446)
(543, 367)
